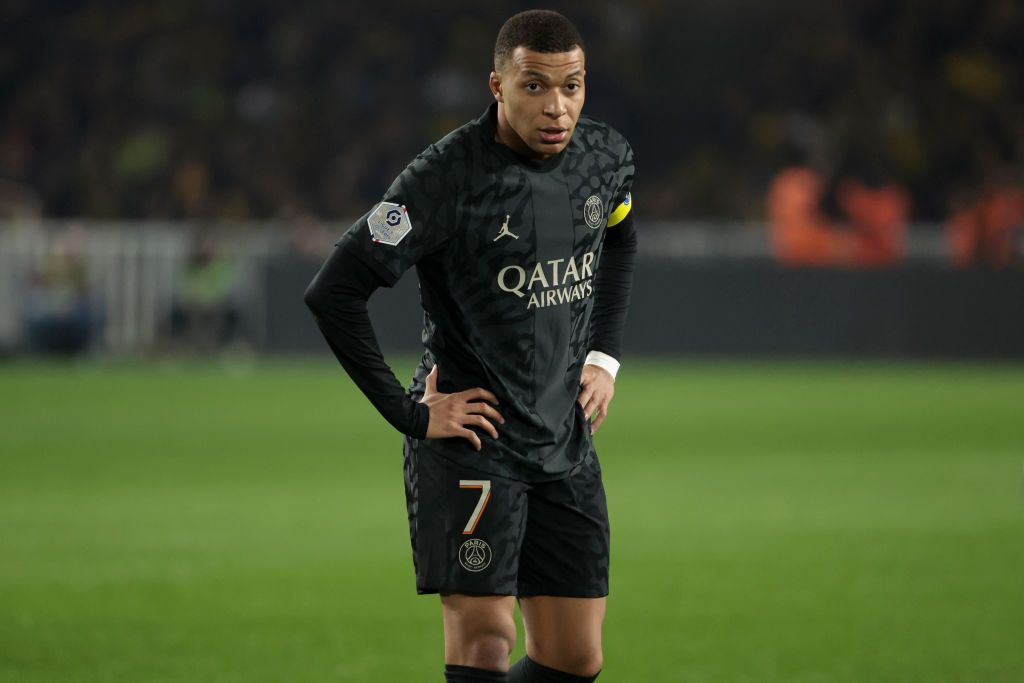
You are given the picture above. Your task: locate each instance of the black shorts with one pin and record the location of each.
(478, 533)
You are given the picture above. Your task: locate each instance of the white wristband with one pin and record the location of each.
(603, 360)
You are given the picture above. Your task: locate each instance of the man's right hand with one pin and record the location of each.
(450, 413)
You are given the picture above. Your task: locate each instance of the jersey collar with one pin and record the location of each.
(488, 127)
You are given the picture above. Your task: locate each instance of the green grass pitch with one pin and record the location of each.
(771, 521)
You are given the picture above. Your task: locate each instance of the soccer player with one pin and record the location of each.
(520, 228)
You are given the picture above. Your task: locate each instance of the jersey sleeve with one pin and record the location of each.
(623, 203)
(414, 218)
(614, 279)
(337, 297)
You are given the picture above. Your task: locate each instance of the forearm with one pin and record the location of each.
(613, 283)
(337, 297)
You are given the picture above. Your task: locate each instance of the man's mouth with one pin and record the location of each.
(553, 134)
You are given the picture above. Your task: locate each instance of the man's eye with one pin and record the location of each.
(573, 86)
(533, 87)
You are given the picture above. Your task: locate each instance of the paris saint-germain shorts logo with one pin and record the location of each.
(593, 211)
(475, 555)
(389, 223)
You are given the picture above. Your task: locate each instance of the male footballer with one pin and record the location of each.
(520, 228)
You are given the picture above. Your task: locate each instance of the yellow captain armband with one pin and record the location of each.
(621, 211)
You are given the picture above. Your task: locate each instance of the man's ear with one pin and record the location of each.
(494, 82)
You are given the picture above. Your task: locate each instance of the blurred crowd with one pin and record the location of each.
(840, 123)
(66, 292)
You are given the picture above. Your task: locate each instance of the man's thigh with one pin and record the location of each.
(466, 526)
(549, 618)
(566, 544)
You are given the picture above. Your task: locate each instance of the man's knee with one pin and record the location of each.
(530, 670)
(565, 633)
(588, 664)
(487, 649)
(479, 633)
(580, 661)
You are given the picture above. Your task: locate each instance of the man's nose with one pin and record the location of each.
(555, 106)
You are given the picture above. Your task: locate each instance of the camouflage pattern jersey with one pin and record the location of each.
(506, 250)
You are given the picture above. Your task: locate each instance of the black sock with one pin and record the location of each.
(528, 671)
(456, 673)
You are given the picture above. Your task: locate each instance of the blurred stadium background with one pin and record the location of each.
(814, 459)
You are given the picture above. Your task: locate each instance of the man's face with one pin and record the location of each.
(542, 96)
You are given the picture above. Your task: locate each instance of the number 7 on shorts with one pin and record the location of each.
(485, 494)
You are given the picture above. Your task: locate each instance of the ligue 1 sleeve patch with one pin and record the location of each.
(389, 223)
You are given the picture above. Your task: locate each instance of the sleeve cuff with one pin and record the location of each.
(603, 360)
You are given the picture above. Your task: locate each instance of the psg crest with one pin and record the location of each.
(475, 555)
(389, 223)
(593, 211)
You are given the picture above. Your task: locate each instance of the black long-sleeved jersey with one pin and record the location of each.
(524, 267)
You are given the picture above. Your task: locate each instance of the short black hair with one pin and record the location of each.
(540, 30)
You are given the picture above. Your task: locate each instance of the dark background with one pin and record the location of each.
(813, 177)
(258, 110)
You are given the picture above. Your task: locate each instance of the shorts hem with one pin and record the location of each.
(441, 589)
(526, 591)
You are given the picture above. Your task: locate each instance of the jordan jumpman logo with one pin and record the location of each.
(505, 231)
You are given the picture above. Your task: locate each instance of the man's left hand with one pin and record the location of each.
(596, 390)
